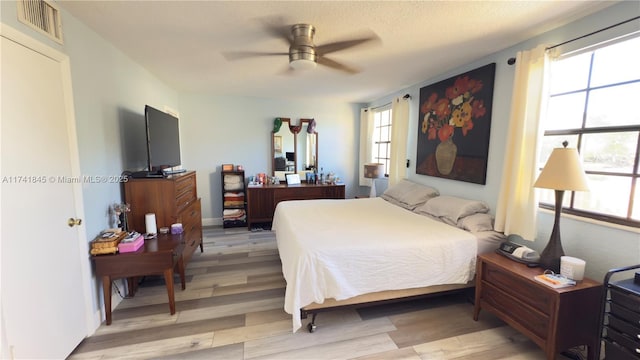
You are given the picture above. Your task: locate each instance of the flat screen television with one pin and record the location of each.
(290, 156)
(163, 140)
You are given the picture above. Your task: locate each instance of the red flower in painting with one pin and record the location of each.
(430, 104)
(457, 108)
(445, 132)
(478, 109)
(459, 87)
(442, 109)
(466, 127)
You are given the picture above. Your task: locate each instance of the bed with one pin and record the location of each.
(354, 251)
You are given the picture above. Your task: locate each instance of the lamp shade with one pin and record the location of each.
(563, 171)
(374, 171)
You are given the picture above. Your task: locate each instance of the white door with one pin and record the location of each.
(44, 313)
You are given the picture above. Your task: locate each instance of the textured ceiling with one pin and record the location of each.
(182, 42)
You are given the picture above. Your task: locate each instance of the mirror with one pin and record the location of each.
(290, 155)
(283, 148)
(307, 148)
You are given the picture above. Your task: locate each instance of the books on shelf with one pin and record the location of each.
(555, 281)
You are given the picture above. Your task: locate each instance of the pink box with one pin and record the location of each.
(131, 246)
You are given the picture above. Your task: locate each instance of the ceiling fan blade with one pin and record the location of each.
(337, 66)
(277, 28)
(238, 55)
(341, 45)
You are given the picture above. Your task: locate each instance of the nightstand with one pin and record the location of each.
(554, 319)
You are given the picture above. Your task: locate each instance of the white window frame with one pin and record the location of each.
(381, 138)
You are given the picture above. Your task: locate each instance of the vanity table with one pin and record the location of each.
(262, 200)
(290, 155)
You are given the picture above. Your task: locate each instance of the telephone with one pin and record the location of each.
(519, 253)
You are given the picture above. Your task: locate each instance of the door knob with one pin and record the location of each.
(73, 222)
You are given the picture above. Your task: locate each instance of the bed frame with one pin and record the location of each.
(380, 298)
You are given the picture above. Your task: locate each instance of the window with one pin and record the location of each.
(382, 137)
(592, 105)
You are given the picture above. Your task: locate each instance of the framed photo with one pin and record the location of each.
(277, 144)
(293, 179)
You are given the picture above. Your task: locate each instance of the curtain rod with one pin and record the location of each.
(380, 106)
(406, 96)
(512, 60)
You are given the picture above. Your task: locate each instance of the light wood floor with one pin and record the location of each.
(232, 309)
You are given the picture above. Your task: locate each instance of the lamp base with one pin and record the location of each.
(550, 257)
(373, 193)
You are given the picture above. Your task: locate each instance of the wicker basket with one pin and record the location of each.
(105, 244)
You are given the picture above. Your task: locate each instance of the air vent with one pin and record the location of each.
(42, 16)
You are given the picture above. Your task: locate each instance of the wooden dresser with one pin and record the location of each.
(174, 199)
(554, 319)
(262, 200)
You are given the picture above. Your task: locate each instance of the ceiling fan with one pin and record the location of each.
(303, 53)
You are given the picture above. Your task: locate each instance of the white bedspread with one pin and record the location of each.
(344, 248)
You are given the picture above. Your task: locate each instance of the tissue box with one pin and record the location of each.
(176, 228)
(131, 246)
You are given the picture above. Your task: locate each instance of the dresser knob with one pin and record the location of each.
(637, 350)
(638, 336)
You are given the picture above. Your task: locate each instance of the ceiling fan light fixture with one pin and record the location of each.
(303, 64)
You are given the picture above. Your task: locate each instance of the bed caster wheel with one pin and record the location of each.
(312, 327)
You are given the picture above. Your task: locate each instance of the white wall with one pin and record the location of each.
(110, 91)
(218, 130)
(603, 247)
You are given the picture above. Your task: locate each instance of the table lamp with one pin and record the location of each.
(563, 171)
(373, 171)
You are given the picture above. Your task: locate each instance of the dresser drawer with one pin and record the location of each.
(632, 329)
(524, 315)
(185, 183)
(624, 313)
(617, 352)
(191, 216)
(523, 291)
(191, 220)
(624, 341)
(185, 190)
(629, 301)
(301, 193)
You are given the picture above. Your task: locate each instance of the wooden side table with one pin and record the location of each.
(554, 319)
(159, 256)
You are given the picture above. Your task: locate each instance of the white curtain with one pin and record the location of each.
(517, 203)
(399, 134)
(366, 143)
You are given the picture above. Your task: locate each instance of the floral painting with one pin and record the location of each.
(454, 126)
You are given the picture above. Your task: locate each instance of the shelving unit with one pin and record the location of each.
(234, 211)
(620, 316)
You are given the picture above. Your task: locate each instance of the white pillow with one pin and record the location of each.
(452, 208)
(476, 222)
(408, 194)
